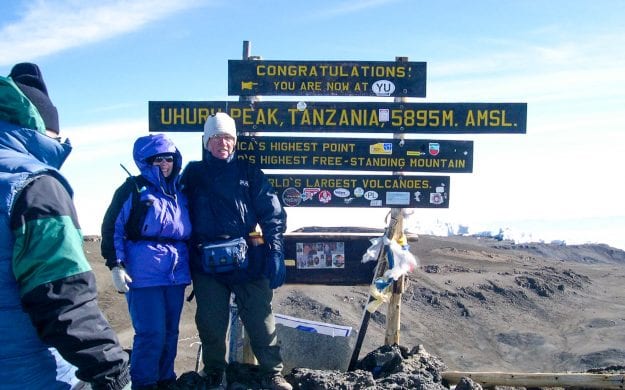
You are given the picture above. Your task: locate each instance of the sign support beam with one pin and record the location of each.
(381, 267)
(393, 317)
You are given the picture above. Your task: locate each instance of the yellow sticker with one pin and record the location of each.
(381, 148)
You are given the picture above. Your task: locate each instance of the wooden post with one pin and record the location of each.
(381, 267)
(523, 379)
(393, 314)
(247, 49)
(393, 317)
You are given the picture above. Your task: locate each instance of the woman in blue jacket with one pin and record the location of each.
(144, 241)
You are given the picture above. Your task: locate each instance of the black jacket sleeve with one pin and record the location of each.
(270, 213)
(57, 286)
(107, 246)
(67, 317)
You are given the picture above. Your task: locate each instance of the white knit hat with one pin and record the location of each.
(220, 123)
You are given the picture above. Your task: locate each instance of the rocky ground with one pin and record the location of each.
(475, 304)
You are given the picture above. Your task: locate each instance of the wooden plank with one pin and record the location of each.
(393, 324)
(590, 381)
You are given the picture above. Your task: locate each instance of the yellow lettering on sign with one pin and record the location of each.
(185, 116)
(337, 86)
(422, 118)
(290, 146)
(330, 183)
(457, 163)
(337, 147)
(382, 71)
(245, 146)
(249, 157)
(283, 160)
(348, 117)
(329, 70)
(361, 86)
(385, 162)
(396, 184)
(327, 160)
(427, 162)
(487, 118)
(284, 85)
(261, 119)
(344, 118)
(284, 182)
(333, 71)
(255, 116)
(332, 117)
(356, 161)
(310, 86)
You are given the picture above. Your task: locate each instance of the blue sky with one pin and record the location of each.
(103, 61)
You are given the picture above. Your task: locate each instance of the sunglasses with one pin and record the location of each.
(160, 159)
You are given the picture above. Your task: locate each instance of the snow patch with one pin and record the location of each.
(448, 229)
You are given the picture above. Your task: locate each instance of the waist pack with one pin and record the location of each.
(224, 256)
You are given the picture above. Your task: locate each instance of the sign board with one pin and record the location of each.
(327, 78)
(330, 258)
(357, 154)
(361, 190)
(358, 117)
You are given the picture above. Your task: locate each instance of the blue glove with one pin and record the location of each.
(275, 271)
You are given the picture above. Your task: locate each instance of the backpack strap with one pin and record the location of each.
(138, 210)
(130, 187)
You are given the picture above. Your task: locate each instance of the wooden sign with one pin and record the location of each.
(360, 154)
(327, 78)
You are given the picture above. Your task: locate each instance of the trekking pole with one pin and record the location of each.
(197, 357)
(379, 271)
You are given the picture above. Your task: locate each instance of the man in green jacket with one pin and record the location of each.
(52, 332)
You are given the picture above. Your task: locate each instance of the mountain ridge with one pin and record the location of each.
(477, 303)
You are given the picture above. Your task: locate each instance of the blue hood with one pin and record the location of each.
(29, 142)
(151, 145)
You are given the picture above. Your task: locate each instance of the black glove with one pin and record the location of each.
(275, 270)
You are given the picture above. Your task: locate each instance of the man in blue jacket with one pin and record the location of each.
(228, 198)
(52, 333)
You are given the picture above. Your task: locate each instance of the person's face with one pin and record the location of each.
(221, 146)
(165, 163)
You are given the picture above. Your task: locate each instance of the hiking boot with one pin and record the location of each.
(169, 384)
(276, 382)
(213, 380)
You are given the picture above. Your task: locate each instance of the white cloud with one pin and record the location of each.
(585, 68)
(47, 27)
(348, 7)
